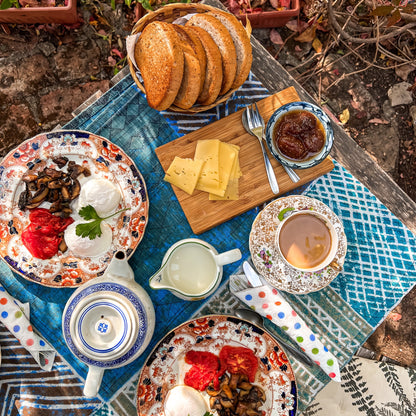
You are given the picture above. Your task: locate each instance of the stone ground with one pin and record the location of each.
(47, 71)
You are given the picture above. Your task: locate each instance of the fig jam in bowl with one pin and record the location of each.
(299, 135)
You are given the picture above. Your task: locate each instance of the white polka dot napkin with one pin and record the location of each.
(16, 319)
(268, 302)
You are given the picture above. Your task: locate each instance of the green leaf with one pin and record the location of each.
(6, 4)
(382, 11)
(90, 229)
(282, 213)
(89, 213)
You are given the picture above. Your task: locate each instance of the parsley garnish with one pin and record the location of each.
(92, 229)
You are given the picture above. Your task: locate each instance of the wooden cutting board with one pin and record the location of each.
(254, 188)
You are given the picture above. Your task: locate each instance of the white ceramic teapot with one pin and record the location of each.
(108, 322)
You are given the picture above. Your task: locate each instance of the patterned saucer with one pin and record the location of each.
(267, 258)
(105, 160)
(165, 368)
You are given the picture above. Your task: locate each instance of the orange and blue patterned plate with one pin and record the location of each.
(165, 367)
(105, 160)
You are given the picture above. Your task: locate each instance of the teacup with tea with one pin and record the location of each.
(307, 241)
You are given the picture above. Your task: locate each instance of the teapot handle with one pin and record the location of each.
(93, 381)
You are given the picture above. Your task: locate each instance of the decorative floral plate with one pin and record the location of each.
(268, 260)
(165, 367)
(105, 160)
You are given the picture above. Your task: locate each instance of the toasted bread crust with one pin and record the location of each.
(241, 42)
(213, 74)
(225, 43)
(160, 58)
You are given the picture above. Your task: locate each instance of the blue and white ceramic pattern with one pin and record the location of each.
(108, 322)
(99, 325)
(320, 115)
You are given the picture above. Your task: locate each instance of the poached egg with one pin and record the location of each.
(184, 401)
(102, 194)
(83, 246)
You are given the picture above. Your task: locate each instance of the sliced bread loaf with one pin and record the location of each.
(191, 80)
(160, 58)
(213, 72)
(198, 48)
(241, 42)
(225, 43)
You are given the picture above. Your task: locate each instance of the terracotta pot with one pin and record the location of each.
(273, 18)
(65, 14)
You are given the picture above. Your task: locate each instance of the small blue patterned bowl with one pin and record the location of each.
(313, 160)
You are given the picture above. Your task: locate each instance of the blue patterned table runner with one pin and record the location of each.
(379, 268)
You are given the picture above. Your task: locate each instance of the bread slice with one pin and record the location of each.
(213, 72)
(160, 58)
(225, 43)
(242, 45)
(191, 80)
(189, 36)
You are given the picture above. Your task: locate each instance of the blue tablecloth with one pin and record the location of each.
(380, 264)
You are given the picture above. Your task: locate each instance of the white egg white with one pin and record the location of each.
(102, 194)
(83, 246)
(184, 401)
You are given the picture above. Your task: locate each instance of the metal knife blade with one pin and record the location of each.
(252, 276)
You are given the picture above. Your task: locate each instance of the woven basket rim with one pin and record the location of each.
(160, 15)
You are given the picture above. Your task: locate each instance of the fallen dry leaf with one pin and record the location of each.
(317, 45)
(344, 116)
(117, 52)
(378, 121)
(275, 37)
(307, 35)
(394, 316)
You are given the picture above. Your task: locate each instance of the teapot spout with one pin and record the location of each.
(120, 267)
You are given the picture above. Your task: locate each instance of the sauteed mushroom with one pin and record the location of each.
(236, 397)
(54, 186)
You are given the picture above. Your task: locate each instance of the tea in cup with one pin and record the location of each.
(307, 241)
(192, 269)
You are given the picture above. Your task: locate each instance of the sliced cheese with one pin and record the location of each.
(231, 192)
(228, 154)
(184, 173)
(209, 180)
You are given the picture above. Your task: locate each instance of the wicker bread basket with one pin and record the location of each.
(169, 13)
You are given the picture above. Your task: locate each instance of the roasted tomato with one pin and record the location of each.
(239, 360)
(42, 236)
(205, 367)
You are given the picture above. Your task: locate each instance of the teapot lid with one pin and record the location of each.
(105, 324)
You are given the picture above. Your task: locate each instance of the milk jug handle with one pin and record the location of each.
(228, 257)
(93, 381)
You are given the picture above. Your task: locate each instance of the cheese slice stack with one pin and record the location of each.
(215, 169)
(231, 191)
